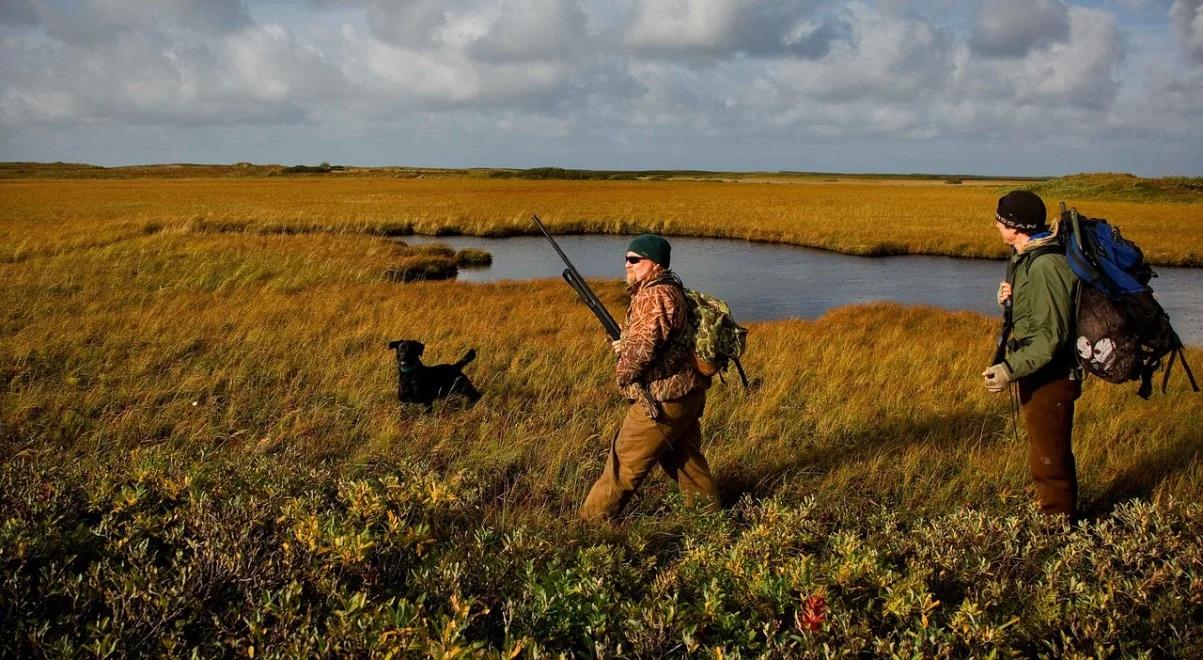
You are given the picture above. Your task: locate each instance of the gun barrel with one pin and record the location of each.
(593, 303)
(574, 279)
(577, 282)
(1000, 349)
(554, 244)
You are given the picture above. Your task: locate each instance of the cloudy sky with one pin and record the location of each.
(1022, 87)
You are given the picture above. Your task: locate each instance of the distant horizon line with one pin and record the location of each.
(578, 170)
(550, 171)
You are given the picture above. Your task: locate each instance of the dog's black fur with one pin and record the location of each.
(418, 383)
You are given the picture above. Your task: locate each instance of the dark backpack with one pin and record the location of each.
(1122, 332)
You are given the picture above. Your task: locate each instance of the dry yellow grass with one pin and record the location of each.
(853, 216)
(276, 343)
(203, 450)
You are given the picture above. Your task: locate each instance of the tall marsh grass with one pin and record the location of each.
(203, 452)
(875, 217)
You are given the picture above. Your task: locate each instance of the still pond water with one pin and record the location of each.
(764, 282)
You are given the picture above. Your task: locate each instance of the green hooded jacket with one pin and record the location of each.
(1042, 315)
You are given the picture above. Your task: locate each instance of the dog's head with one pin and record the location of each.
(409, 351)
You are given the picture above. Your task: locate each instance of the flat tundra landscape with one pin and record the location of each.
(204, 451)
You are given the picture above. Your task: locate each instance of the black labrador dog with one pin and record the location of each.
(418, 383)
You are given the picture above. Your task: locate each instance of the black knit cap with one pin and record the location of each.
(653, 247)
(1022, 210)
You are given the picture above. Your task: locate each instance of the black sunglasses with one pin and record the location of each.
(634, 260)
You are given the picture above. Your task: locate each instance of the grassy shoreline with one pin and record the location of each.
(859, 218)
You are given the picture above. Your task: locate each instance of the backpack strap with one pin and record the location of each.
(747, 388)
(1051, 248)
(1146, 382)
(1190, 376)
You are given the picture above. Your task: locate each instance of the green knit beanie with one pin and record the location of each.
(653, 247)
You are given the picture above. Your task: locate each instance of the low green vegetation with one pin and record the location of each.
(174, 552)
(324, 168)
(1126, 187)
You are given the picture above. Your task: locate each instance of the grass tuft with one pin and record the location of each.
(473, 257)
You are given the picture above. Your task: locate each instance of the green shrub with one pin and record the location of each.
(160, 552)
(324, 168)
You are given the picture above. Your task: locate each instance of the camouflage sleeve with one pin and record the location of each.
(649, 325)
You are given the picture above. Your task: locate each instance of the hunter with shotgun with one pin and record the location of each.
(656, 372)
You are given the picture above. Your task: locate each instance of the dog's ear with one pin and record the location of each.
(421, 348)
(394, 344)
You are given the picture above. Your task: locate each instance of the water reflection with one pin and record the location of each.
(764, 281)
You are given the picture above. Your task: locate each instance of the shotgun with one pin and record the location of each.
(577, 282)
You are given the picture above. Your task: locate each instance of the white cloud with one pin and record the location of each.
(394, 79)
(1187, 16)
(534, 29)
(1012, 28)
(716, 27)
(252, 75)
(646, 77)
(682, 24)
(411, 23)
(886, 58)
(1080, 71)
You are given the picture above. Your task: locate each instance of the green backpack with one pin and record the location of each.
(717, 339)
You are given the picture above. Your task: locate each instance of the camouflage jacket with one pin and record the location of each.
(655, 348)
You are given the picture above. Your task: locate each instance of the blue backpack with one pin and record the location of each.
(1123, 333)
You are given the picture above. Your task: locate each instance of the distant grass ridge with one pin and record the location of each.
(547, 173)
(1113, 186)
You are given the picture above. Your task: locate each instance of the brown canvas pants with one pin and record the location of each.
(674, 443)
(1048, 411)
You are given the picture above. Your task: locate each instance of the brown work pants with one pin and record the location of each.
(674, 442)
(1048, 411)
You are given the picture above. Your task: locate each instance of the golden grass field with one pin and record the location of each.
(159, 318)
(856, 216)
(243, 323)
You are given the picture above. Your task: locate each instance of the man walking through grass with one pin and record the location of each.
(655, 352)
(1040, 357)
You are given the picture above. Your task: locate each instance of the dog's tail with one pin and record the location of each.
(468, 357)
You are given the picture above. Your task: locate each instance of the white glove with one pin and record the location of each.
(1004, 294)
(997, 377)
(617, 346)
